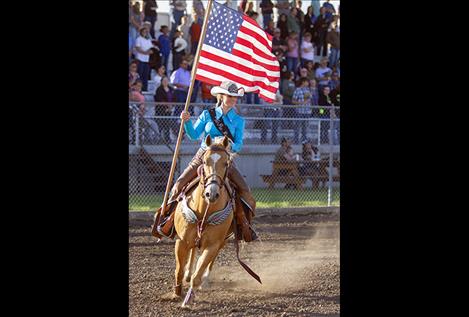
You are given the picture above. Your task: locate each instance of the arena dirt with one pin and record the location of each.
(297, 260)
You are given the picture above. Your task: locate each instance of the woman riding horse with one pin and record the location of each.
(227, 123)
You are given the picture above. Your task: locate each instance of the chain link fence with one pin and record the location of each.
(306, 180)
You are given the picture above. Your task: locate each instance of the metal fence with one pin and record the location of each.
(311, 182)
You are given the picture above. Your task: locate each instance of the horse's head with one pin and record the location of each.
(216, 162)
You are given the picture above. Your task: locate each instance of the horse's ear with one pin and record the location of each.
(208, 140)
(225, 141)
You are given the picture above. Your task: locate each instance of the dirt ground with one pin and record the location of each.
(297, 260)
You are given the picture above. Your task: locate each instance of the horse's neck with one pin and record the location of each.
(198, 204)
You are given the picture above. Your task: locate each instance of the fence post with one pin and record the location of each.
(137, 129)
(329, 190)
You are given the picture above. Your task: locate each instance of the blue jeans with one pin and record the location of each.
(164, 61)
(326, 131)
(143, 70)
(181, 96)
(270, 113)
(195, 92)
(152, 20)
(249, 96)
(334, 57)
(266, 17)
(177, 15)
(292, 63)
(303, 125)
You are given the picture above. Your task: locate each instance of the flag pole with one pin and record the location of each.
(181, 127)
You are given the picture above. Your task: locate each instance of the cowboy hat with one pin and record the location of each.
(227, 88)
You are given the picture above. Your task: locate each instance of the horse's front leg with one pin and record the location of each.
(204, 260)
(205, 281)
(181, 251)
(190, 266)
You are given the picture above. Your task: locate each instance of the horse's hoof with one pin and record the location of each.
(171, 296)
(189, 297)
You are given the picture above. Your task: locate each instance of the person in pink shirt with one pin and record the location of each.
(292, 54)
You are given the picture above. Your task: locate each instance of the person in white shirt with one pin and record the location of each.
(160, 73)
(323, 73)
(143, 47)
(307, 49)
(179, 47)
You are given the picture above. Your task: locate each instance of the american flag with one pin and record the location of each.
(237, 49)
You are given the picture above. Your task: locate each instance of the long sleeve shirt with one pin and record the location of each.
(205, 125)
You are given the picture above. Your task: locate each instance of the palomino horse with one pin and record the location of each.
(203, 219)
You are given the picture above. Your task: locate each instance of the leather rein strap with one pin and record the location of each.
(244, 265)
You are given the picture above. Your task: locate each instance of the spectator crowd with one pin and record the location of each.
(306, 44)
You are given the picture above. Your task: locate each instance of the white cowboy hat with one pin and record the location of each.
(227, 88)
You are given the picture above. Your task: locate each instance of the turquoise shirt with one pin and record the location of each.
(204, 123)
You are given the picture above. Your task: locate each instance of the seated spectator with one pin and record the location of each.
(310, 154)
(311, 72)
(335, 97)
(255, 16)
(314, 92)
(288, 87)
(290, 157)
(147, 125)
(137, 96)
(160, 73)
(165, 93)
(282, 25)
(303, 73)
(284, 154)
(323, 73)
(282, 61)
(278, 43)
(335, 80)
(307, 49)
(270, 28)
(311, 165)
(302, 96)
(133, 75)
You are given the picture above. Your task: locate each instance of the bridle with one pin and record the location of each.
(214, 177)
